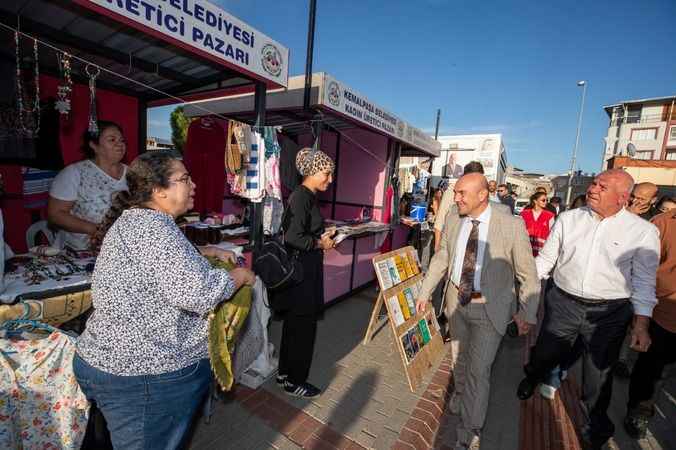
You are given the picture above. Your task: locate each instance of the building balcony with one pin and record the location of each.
(643, 118)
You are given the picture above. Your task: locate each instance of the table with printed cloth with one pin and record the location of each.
(53, 290)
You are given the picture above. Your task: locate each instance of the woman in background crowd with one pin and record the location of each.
(143, 357)
(666, 204)
(579, 202)
(302, 304)
(81, 194)
(539, 221)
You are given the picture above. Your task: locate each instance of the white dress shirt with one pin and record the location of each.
(603, 259)
(461, 245)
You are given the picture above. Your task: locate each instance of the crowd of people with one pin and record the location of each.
(605, 269)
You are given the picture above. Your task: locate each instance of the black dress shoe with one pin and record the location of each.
(526, 389)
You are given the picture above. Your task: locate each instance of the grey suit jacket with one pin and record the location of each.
(508, 256)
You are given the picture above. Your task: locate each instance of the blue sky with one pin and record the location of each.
(493, 66)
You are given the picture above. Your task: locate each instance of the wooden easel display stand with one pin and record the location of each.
(417, 335)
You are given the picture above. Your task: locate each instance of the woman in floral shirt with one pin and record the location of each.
(143, 357)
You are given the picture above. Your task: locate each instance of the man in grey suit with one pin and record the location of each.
(482, 252)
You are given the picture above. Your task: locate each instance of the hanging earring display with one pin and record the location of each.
(65, 88)
(31, 114)
(93, 127)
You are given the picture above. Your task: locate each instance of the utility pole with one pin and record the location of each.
(436, 136)
(577, 142)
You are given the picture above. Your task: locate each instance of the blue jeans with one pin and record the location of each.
(147, 411)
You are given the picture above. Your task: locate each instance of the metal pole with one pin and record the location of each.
(309, 55)
(577, 142)
(436, 137)
(256, 219)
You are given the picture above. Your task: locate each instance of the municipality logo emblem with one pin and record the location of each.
(334, 94)
(271, 60)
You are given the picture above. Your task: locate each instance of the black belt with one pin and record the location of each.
(590, 301)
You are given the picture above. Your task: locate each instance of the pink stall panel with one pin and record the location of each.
(361, 177)
(344, 212)
(367, 249)
(337, 270)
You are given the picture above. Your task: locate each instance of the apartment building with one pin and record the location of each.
(642, 140)
(648, 124)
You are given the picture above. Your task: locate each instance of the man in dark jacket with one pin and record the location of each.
(643, 200)
(505, 198)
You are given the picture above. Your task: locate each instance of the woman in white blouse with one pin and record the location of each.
(81, 194)
(143, 356)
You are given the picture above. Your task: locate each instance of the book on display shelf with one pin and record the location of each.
(410, 300)
(404, 305)
(384, 275)
(424, 330)
(395, 309)
(393, 271)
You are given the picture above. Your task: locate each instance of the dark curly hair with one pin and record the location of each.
(147, 172)
(534, 198)
(93, 138)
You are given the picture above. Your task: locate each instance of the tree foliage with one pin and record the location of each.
(179, 128)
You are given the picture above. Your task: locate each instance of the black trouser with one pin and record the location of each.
(297, 346)
(649, 367)
(602, 329)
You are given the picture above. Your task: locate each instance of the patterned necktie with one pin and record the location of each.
(468, 265)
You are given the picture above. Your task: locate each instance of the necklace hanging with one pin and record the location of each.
(93, 126)
(33, 113)
(64, 89)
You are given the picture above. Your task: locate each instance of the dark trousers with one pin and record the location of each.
(602, 329)
(649, 367)
(297, 346)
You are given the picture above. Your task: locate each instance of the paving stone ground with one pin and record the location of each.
(367, 403)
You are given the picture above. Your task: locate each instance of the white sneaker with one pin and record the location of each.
(547, 391)
(475, 443)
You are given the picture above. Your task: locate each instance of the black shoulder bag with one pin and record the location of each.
(277, 266)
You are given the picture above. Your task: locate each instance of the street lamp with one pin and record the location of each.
(577, 142)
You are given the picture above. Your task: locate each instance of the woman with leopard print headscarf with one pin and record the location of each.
(302, 304)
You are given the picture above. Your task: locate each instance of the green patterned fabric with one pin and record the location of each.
(225, 323)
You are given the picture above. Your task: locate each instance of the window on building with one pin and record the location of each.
(644, 154)
(672, 134)
(671, 154)
(643, 134)
(634, 114)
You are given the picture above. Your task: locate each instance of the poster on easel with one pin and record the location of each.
(416, 334)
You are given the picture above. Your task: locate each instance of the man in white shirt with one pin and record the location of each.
(482, 253)
(604, 261)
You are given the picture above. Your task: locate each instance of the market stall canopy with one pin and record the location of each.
(179, 47)
(340, 106)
